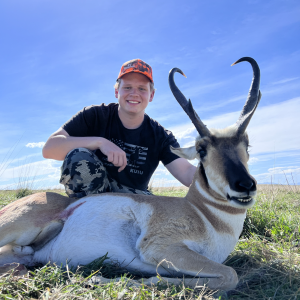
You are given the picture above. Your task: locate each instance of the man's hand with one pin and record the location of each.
(114, 154)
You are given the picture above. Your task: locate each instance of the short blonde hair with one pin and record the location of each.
(117, 84)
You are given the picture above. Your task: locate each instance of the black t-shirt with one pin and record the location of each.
(145, 146)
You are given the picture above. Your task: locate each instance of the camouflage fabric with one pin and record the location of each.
(83, 173)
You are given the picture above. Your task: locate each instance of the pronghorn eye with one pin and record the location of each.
(202, 153)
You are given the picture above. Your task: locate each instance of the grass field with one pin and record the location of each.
(267, 260)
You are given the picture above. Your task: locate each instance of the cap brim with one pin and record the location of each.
(135, 71)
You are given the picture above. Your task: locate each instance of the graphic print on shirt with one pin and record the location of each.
(136, 155)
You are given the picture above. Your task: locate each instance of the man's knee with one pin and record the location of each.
(79, 154)
(83, 173)
(81, 160)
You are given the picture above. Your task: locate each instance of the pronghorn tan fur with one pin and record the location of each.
(191, 235)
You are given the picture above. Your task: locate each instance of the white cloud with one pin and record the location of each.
(31, 170)
(181, 129)
(194, 90)
(285, 80)
(280, 175)
(274, 128)
(186, 134)
(280, 89)
(161, 170)
(22, 158)
(284, 170)
(253, 160)
(36, 145)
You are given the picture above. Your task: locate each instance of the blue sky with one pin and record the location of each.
(59, 56)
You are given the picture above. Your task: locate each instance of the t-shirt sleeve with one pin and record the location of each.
(83, 123)
(166, 156)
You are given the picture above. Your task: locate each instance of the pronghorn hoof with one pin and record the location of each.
(23, 250)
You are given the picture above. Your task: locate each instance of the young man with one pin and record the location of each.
(116, 147)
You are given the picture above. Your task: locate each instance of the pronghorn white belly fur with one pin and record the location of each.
(99, 227)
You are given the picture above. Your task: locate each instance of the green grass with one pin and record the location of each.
(267, 260)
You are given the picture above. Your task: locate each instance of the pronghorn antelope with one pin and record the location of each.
(191, 235)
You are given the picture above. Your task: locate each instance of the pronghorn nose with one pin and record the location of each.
(239, 178)
(247, 184)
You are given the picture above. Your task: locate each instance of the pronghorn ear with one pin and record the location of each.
(189, 153)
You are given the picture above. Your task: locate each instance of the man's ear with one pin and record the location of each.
(152, 96)
(116, 93)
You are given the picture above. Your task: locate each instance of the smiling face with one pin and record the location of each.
(134, 94)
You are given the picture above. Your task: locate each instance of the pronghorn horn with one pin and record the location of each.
(253, 97)
(187, 105)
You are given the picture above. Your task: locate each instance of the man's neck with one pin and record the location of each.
(131, 121)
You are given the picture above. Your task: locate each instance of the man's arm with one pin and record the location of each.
(182, 170)
(60, 143)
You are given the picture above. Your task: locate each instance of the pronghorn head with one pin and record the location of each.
(223, 153)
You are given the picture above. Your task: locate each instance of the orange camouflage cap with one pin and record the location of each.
(136, 66)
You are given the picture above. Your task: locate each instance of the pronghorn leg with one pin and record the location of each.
(34, 237)
(15, 234)
(181, 259)
(22, 250)
(47, 234)
(16, 254)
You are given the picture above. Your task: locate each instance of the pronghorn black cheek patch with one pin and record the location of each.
(202, 171)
